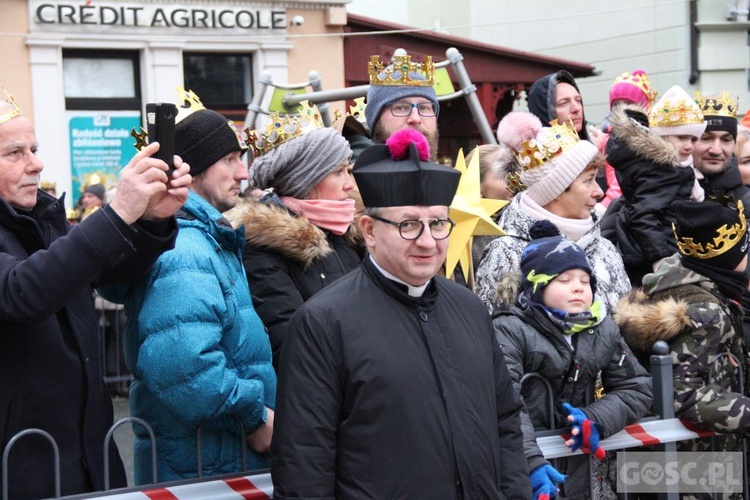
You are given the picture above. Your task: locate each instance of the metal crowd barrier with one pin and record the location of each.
(662, 430)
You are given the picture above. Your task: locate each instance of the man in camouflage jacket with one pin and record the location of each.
(690, 302)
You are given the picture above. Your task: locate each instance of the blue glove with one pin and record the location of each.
(587, 434)
(544, 481)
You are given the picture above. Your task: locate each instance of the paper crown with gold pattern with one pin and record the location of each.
(633, 87)
(541, 149)
(284, 127)
(402, 71)
(357, 111)
(676, 113)
(709, 229)
(15, 109)
(47, 185)
(717, 105)
(187, 102)
(552, 160)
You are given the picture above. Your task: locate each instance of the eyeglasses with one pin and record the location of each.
(411, 229)
(402, 109)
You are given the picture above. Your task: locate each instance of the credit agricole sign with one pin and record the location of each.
(157, 15)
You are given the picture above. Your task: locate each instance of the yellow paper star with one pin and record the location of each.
(472, 215)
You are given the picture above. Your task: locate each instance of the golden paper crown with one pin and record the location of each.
(92, 179)
(638, 80)
(673, 113)
(513, 180)
(284, 127)
(726, 237)
(16, 111)
(187, 103)
(717, 106)
(545, 146)
(401, 72)
(72, 214)
(357, 111)
(45, 185)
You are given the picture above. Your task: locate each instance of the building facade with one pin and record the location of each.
(85, 70)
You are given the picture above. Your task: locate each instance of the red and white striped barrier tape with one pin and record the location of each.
(641, 434)
(260, 486)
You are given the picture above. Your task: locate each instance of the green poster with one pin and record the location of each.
(100, 145)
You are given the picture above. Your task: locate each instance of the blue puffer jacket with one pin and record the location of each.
(198, 352)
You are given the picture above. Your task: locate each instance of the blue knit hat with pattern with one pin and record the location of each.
(548, 255)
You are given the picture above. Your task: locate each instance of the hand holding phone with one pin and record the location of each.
(160, 122)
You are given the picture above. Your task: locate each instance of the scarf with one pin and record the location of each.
(731, 284)
(574, 229)
(333, 215)
(569, 323)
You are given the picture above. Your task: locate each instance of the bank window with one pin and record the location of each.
(97, 79)
(222, 81)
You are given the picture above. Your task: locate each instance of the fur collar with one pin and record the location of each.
(276, 228)
(642, 141)
(507, 290)
(643, 320)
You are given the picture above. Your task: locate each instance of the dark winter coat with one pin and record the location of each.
(651, 179)
(382, 395)
(532, 343)
(729, 181)
(50, 363)
(288, 260)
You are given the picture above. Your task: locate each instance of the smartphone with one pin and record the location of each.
(160, 118)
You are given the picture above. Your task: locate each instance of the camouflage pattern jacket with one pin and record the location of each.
(701, 326)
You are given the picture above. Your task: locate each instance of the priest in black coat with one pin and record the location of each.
(391, 384)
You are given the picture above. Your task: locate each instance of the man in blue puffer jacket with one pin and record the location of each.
(199, 353)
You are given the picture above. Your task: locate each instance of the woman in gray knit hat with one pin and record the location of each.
(301, 234)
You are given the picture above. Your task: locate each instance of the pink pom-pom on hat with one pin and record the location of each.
(518, 127)
(400, 141)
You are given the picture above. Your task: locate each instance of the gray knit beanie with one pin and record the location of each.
(295, 167)
(379, 96)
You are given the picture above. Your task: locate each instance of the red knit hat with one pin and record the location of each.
(634, 87)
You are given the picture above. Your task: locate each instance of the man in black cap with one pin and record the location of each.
(198, 351)
(713, 155)
(391, 384)
(690, 302)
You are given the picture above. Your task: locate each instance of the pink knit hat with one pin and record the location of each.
(676, 113)
(552, 160)
(633, 87)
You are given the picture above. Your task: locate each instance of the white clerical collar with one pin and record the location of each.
(414, 291)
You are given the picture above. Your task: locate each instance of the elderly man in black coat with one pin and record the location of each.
(50, 363)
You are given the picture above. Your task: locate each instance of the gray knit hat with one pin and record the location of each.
(295, 167)
(379, 96)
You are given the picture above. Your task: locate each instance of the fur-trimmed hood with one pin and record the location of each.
(638, 138)
(507, 290)
(643, 320)
(295, 237)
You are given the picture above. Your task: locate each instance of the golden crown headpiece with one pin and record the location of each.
(717, 106)
(72, 214)
(638, 79)
(284, 127)
(15, 111)
(548, 144)
(513, 180)
(187, 103)
(45, 185)
(402, 71)
(672, 113)
(357, 111)
(726, 237)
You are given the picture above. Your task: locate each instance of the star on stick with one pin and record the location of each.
(472, 215)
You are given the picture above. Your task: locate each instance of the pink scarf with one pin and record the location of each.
(333, 215)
